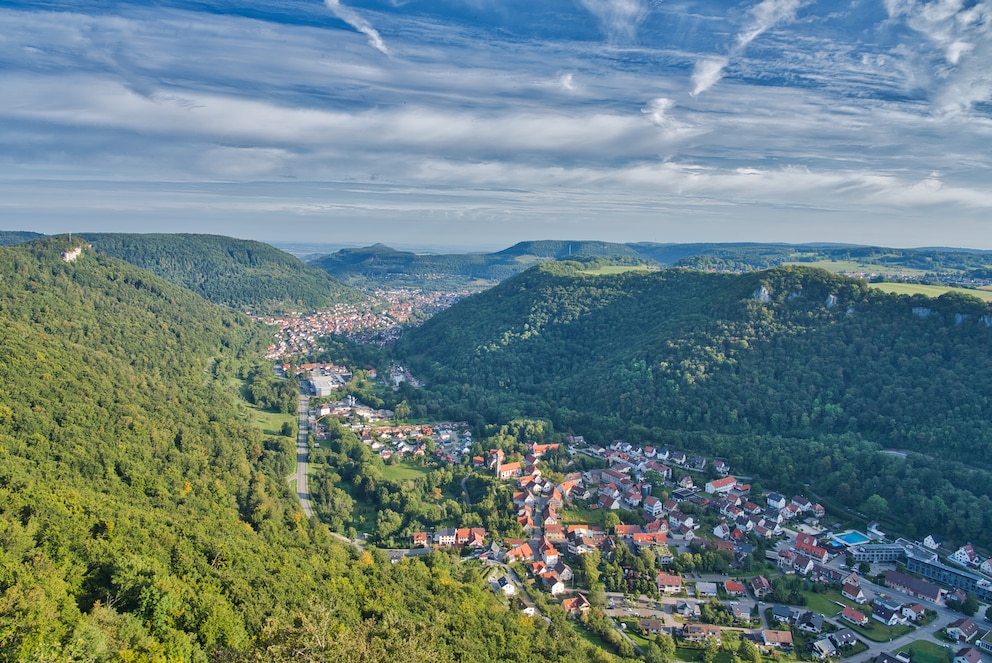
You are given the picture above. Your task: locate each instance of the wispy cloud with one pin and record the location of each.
(764, 16)
(352, 18)
(618, 18)
(159, 114)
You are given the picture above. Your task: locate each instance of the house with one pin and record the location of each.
(686, 482)
(420, 539)
(807, 545)
(734, 587)
(853, 592)
(760, 587)
(920, 589)
(986, 567)
(652, 626)
(445, 537)
(627, 531)
(687, 610)
(913, 611)
(932, 542)
(608, 503)
(966, 555)
(886, 615)
(521, 553)
(720, 486)
(509, 470)
(823, 648)
(844, 638)
(669, 584)
(854, 616)
(968, 655)
(740, 612)
(775, 501)
(985, 642)
(782, 614)
(706, 589)
(553, 583)
(700, 632)
(777, 639)
(963, 630)
(576, 606)
(809, 621)
(721, 466)
(653, 506)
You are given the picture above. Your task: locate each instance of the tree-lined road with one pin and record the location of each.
(302, 456)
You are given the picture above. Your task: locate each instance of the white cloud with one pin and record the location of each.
(764, 16)
(352, 18)
(618, 18)
(707, 73)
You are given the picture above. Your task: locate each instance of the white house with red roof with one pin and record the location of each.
(720, 486)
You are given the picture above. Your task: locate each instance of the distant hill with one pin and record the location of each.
(776, 370)
(11, 237)
(243, 274)
(379, 265)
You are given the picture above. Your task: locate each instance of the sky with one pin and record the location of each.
(480, 123)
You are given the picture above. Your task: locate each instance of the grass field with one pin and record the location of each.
(573, 515)
(929, 290)
(271, 422)
(826, 603)
(878, 632)
(849, 266)
(404, 471)
(924, 651)
(616, 269)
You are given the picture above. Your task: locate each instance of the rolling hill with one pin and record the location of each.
(243, 274)
(792, 363)
(381, 266)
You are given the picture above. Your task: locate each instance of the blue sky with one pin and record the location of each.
(485, 122)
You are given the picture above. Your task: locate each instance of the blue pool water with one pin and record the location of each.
(852, 538)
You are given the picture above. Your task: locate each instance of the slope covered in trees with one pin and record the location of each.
(796, 375)
(9, 237)
(143, 518)
(240, 273)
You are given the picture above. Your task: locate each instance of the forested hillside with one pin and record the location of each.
(240, 273)
(143, 518)
(9, 237)
(796, 375)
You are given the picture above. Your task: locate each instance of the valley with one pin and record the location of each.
(480, 476)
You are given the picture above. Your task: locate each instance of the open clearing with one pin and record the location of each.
(929, 290)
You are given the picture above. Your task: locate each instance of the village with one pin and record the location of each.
(878, 602)
(866, 597)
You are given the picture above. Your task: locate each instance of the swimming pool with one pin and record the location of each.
(852, 538)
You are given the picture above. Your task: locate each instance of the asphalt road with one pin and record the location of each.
(302, 455)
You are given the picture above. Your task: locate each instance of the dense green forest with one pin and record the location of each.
(143, 517)
(379, 265)
(240, 273)
(796, 375)
(9, 237)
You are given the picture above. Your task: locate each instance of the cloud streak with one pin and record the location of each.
(764, 16)
(618, 18)
(352, 18)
